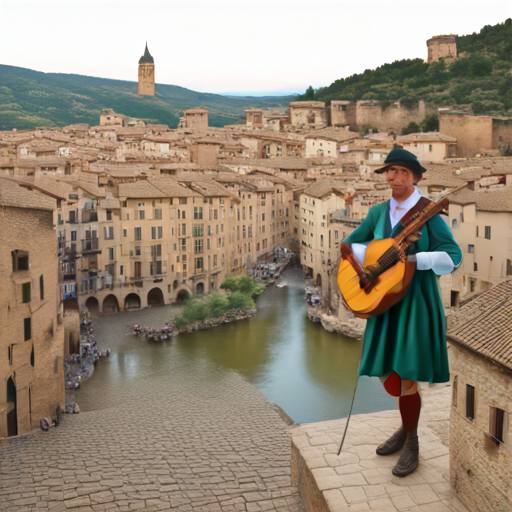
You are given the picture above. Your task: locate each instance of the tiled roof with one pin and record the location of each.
(171, 187)
(140, 189)
(484, 324)
(323, 187)
(13, 195)
(498, 200)
(426, 137)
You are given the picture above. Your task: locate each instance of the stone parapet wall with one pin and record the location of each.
(480, 471)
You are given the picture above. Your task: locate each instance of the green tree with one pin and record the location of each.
(239, 300)
(309, 94)
(412, 127)
(430, 124)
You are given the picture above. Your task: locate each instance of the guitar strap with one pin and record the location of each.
(417, 208)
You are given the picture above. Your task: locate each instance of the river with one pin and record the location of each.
(309, 372)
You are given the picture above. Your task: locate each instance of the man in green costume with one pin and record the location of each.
(407, 343)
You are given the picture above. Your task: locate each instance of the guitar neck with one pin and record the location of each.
(422, 217)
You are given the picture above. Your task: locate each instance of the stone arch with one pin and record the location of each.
(155, 297)
(200, 288)
(110, 304)
(131, 301)
(318, 281)
(93, 306)
(183, 295)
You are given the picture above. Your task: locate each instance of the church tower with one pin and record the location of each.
(146, 74)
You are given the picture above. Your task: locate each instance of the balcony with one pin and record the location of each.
(341, 218)
(90, 246)
(89, 216)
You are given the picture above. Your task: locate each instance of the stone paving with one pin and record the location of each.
(359, 479)
(212, 444)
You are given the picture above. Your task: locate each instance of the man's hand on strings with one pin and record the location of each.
(414, 237)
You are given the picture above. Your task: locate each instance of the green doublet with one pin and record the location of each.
(409, 338)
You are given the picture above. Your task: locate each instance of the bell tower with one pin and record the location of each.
(146, 74)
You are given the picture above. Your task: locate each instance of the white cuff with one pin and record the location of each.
(359, 251)
(439, 262)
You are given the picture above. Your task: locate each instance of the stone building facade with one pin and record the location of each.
(308, 113)
(481, 222)
(162, 239)
(146, 74)
(442, 47)
(481, 375)
(477, 134)
(32, 334)
(375, 114)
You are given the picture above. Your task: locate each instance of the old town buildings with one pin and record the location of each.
(480, 427)
(32, 334)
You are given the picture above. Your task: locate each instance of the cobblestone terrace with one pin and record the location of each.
(175, 441)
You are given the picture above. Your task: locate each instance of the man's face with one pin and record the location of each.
(400, 179)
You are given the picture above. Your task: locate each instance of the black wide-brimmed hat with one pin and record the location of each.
(403, 158)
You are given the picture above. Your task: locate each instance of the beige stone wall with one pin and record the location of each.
(343, 113)
(197, 121)
(394, 117)
(321, 147)
(474, 134)
(480, 471)
(146, 80)
(484, 260)
(427, 151)
(502, 135)
(39, 386)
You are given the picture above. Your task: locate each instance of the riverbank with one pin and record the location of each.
(226, 318)
(352, 328)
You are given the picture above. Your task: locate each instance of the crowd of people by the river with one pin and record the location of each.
(154, 334)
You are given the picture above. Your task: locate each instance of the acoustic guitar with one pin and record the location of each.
(387, 272)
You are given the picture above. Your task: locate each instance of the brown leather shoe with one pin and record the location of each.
(393, 444)
(408, 461)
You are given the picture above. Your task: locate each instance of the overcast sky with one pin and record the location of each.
(224, 46)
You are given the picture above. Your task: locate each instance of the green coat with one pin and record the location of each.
(409, 338)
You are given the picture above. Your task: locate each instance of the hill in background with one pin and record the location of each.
(30, 98)
(480, 77)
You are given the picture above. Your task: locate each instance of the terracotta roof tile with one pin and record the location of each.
(484, 324)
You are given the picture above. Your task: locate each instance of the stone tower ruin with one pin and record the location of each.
(146, 74)
(442, 47)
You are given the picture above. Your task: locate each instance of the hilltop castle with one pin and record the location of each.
(146, 74)
(442, 47)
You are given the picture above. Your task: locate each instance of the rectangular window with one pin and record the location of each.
(158, 214)
(108, 232)
(487, 232)
(208, 244)
(137, 269)
(142, 215)
(470, 402)
(497, 421)
(160, 232)
(125, 233)
(183, 244)
(111, 254)
(73, 236)
(198, 246)
(198, 212)
(109, 214)
(138, 233)
(41, 287)
(471, 248)
(137, 250)
(199, 263)
(26, 292)
(430, 148)
(198, 230)
(153, 233)
(19, 260)
(27, 327)
(183, 200)
(121, 270)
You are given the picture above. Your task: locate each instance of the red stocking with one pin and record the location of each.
(410, 407)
